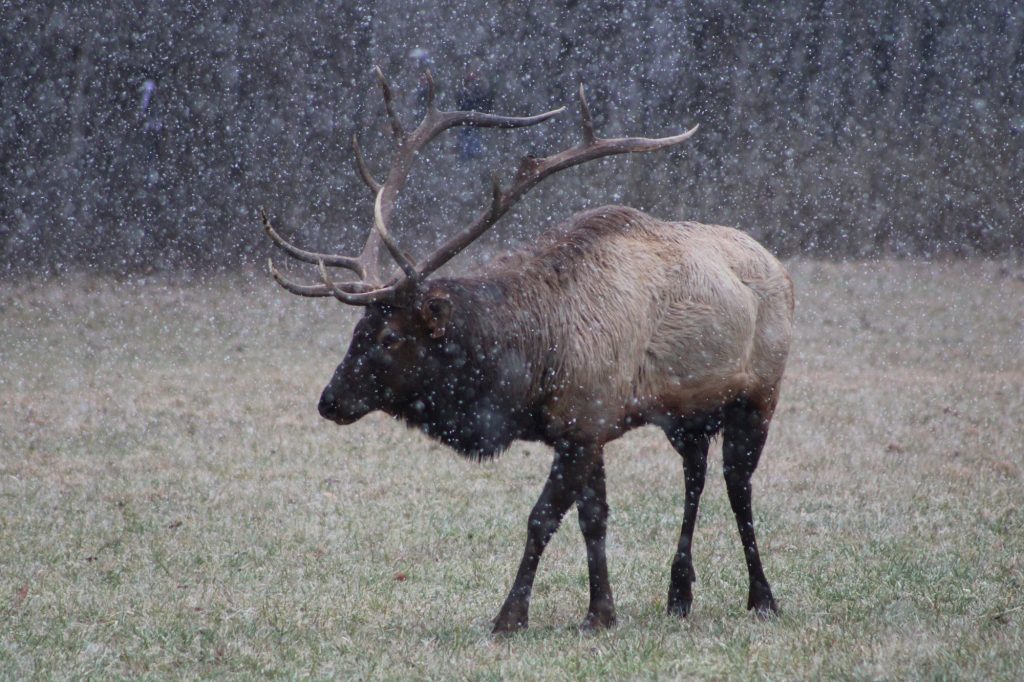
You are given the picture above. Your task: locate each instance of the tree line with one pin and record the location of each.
(147, 135)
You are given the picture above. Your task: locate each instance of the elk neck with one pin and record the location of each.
(486, 387)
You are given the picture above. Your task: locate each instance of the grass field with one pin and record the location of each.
(172, 506)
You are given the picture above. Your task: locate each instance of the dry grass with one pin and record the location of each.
(172, 506)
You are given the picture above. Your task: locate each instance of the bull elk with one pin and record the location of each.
(614, 320)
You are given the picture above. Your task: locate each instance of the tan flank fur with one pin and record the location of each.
(644, 317)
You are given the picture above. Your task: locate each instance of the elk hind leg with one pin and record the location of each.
(691, 442)
(745, 430)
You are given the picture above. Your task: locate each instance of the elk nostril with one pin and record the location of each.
(327, 407)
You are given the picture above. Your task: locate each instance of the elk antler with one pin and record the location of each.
(531, 171)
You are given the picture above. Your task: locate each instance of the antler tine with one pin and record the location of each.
(587, 121)
(315, 290)
(310, 256)
(396, 125)
(495, 195)
(407, 264)
(430, 88)
(532, 171)
(478, 119)
(364, 172)
(365, 297)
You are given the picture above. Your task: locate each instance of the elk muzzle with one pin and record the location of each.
(342, 408)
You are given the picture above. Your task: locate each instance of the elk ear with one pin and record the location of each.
(437, 312)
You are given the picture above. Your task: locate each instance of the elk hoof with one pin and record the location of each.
(680, 608)
(510, 620)
(502, 627)
(761, 602)
(599, 617)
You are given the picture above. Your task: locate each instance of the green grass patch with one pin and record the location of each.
(171, 505)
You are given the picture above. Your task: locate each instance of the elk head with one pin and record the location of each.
(400, 349)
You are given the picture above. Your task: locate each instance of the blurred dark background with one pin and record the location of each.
(145, 135)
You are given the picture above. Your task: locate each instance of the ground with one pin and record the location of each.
(172, 506)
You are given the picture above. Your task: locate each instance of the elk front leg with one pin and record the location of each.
(569, 473)
(593, 515)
